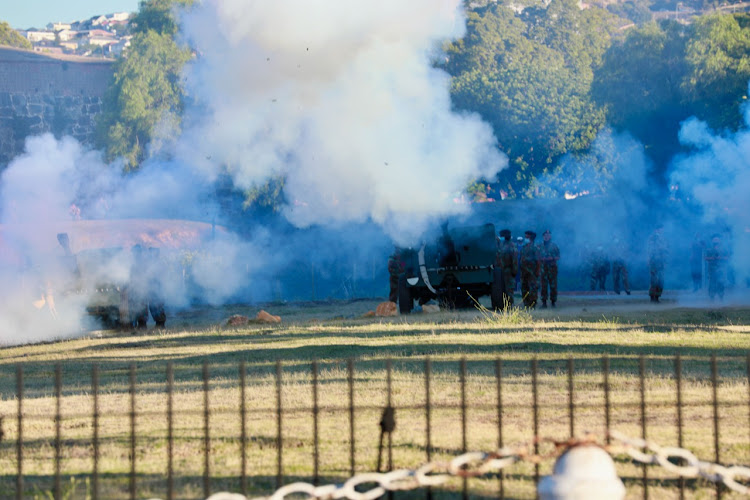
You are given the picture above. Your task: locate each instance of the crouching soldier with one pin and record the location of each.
(144, 294)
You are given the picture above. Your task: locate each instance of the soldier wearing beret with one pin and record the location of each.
(550, 254)
(657, 257)
(716, 267)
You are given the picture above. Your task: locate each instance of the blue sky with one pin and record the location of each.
(23, 14)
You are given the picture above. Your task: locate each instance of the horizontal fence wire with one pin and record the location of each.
(185, 431)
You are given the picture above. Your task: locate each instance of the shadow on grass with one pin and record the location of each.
(369, 364)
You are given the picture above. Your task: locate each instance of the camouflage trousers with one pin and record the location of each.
(657, 281)
(716, 283)
(598, 278)
(510, 286)
(620, 273)
(393, 294)
(141, 305)
(549, 283)
(529, 288)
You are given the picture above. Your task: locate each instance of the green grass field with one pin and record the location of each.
(583, 328)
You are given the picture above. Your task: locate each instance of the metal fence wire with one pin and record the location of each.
(187, 430)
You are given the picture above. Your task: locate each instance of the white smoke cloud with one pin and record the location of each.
(36, 192)
(44, 192)
(715, 176)
(342, 99)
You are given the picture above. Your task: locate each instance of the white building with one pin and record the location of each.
(67, 34)
(120, 17)
(40, 36)
(58, 26)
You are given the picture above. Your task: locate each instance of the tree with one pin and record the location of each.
(11, 37)
(156, 15)
(662, 73)
(639, 83)
(146, 86)
(529, 76)
(718, 58)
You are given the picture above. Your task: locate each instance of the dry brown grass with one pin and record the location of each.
(323, 334)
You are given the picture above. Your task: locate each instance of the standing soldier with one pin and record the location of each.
(696, 261)
(599, 269)
(619, 269)
(155, 295)
(550, 254)
(716, 266)
(531, 260)
(143, 292)
(519, 246)
(657, 256)
(507, 260)
(396, 266)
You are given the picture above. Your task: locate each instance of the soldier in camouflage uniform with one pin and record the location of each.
(619, 268)
(143, 291)
(599, 269)
(531, 260)
(657, 256)
(507, 260)
(396, 266)
(550, 255)
(716, 268)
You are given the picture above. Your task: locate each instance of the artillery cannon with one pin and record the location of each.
(459, 265)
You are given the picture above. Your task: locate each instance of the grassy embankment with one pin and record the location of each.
(333, 333)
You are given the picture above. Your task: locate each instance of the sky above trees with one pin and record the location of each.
(38, 13)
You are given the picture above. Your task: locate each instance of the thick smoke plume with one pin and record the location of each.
(341, 99)
(715, 178)
(619, 201)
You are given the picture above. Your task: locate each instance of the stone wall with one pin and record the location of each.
(41, 94)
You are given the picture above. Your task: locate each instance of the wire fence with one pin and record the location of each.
(187, 430)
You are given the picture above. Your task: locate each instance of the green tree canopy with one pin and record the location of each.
(639, 83)
(146, 87)
(718, 57)
(529, 75)
(157, 15)
(12, 38)
(662, 73)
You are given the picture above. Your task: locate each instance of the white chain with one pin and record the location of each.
(434, 473)
(475, 464)
(660, 455)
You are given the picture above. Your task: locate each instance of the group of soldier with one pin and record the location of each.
(714, 258)
(535, 264)
(600, 261)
